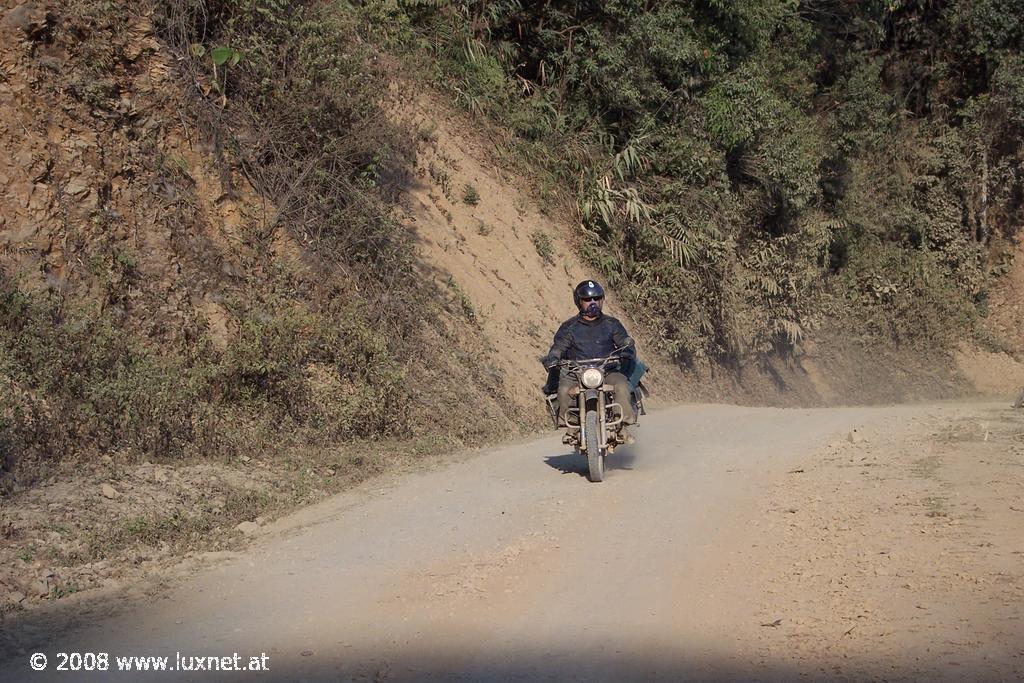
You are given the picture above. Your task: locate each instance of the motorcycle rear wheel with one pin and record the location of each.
(595, 456)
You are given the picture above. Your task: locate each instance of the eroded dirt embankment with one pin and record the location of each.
(483, 237)
(113, 200)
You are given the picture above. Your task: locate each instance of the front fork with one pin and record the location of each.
(596, 399)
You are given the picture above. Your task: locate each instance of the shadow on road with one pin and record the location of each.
(569, 463)
(576, 463)
(329, 659)
(556, 663)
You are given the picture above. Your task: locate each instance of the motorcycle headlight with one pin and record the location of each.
(592, 378)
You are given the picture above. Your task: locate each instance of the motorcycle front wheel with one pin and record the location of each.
(595, 457)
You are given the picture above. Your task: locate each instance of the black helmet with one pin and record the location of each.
(588, 289)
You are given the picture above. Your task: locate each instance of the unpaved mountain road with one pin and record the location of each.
(728, 544)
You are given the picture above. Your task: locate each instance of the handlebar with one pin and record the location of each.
(595, 361)
(589, 361)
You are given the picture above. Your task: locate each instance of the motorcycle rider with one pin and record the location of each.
(591, 334)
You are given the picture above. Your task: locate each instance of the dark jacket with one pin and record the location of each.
(577, 338)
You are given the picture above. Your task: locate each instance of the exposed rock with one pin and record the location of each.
(855, 437)
(40, 200)
(19, 235)
(33, 21)
(108, 491)
(39, 588)
(76, 187)
(23, 17)
(40, 169)
(52, 63)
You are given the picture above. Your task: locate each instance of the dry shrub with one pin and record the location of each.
(300, 114)
(316, 351)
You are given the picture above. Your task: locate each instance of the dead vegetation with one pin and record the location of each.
(204, 272)
(206, 310)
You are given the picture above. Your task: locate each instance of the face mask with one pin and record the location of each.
(593, 309)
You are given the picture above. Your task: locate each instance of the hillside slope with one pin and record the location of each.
(769, 181)
(510, 267)
(182, 359)
(997, 368)
(193, 311)
(181, 355)
(199, 331)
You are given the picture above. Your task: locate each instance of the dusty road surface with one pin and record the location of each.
(728, 544)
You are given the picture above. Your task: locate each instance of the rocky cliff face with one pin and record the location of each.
(107, 193)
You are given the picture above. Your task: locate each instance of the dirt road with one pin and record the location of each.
(728, 544)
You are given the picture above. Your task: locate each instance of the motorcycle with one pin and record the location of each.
(595, 422)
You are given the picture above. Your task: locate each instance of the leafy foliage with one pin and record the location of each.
(747, 171)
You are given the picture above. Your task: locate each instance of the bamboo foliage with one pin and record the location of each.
(676, 126)
(609, 203)
(686, 242)
(779, 292)
(682, 252)
(612, 196)
(429, 4)
(793, 331)
(632, 159)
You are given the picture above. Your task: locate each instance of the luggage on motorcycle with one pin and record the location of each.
(641, 390)
(551, 385)
(633, 372)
